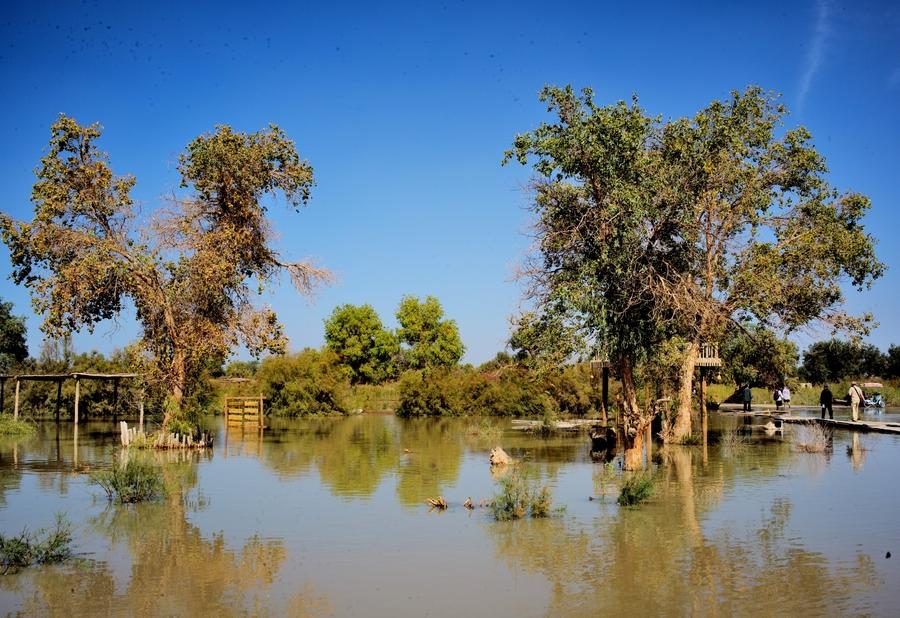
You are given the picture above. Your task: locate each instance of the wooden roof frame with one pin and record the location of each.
(59, 378)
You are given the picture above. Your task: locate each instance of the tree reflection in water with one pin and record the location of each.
(657, 559)
(174, 568)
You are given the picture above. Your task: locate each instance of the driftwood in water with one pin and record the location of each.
(499, 457)
(438, 503)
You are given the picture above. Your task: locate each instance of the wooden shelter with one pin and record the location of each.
(59, 378)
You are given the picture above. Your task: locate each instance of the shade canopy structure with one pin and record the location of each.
(59, 378)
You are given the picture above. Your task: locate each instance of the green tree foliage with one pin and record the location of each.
(499, 390)
(310, 382)
(241, 369)
(835, 359)
(187, 274)
(892, 362)
(429, 339)
(757, 356)
(13, 347)
(369, 351)
(649, 230)
(767, 239)
(601, 234)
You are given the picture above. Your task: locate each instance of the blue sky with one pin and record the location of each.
(404, 111)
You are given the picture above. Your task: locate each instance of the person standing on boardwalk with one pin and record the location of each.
(778, 398)
(786, 396)
(825, 399)
(856, 396)
(747, 396)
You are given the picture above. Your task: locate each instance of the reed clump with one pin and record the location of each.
(636, 490)
(46, 546)
(518, 498)
(133, 481)
(813, 439)
(733, 440)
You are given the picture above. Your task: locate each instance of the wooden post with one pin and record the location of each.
(649, 441)
(115, 398)
(77, 396)
(58, 398)
(16, 412)
(605, 392)
(260, 410)
(141, 411)
(703, 416)
(75, 436)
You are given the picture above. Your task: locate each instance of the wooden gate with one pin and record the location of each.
(241, 410)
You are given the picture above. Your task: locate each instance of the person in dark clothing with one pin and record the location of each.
(747, 396)
(776, 395)
(825, 400)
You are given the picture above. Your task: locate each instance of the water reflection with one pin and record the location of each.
(329, 515)
(174, 569)
(662, 560)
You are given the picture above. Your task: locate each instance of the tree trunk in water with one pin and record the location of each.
(682, 427)
(176, 389)
(634, 423)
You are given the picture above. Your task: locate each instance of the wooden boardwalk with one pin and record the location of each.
(863, 426)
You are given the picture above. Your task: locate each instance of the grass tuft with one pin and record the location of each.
(135, 481)
(47, 546)
(636, 490)
(518, 498)
(813, 438)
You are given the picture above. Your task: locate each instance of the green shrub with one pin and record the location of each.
(310, 382)
(636, 490)
(518, 498)
(435, 392)
(45, 546)
(511, 391)
(135, 481)
(181, 427)
(10, 427)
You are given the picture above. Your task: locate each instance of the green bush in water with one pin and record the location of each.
(135, 481)
(10, 427)
(45, 546)
(519, 498)
(636, 490)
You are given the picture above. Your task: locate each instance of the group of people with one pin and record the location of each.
(782, 397)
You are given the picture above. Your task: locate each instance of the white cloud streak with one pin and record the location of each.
(816, 53)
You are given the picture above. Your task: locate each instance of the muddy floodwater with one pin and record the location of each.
(329, 517)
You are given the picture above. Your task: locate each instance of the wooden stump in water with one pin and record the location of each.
(499, 457)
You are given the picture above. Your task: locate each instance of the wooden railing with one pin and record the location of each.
(708, 355)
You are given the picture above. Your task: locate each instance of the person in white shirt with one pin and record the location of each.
(856, 396)
(786, 396)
